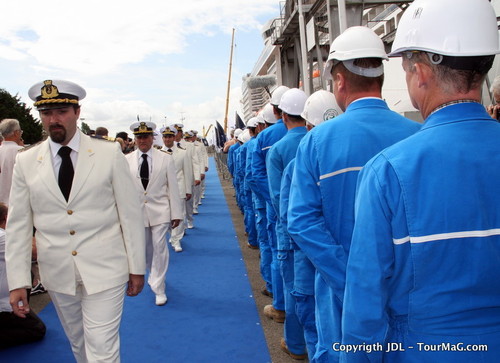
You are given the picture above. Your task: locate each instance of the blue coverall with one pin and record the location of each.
(424, 266)
(321, 210)
(265, 139)
(246, 196)
(278, 158)
(303, 271)
(259, 205)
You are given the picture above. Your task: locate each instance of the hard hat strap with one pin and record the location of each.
(365, 72)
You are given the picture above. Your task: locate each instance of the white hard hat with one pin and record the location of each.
(277, 94)
(244, 136)
(237, 132)
(260, 118)
(354, 43)
(253, 122)
(320, 106)
(457, 28)
(268, 114)
(293, 101)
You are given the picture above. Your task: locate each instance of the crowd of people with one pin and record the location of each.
(379, 237)
(95, 213)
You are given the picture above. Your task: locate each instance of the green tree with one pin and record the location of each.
(85, 128)
(12, 107)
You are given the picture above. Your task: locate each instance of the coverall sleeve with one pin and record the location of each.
(274, 174)
(230, 165)
(259, 171)
(286, 182)
(248, 169)
(369, 269)
(306, 221)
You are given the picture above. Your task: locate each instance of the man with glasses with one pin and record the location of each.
(156, 184)
(12, 134)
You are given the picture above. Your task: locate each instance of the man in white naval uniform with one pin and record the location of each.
(155, 182)
(77, 193)
(184, 169)
(198, 151)
(179, 140)
(205, 161)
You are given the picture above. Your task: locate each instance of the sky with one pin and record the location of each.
(162, 60)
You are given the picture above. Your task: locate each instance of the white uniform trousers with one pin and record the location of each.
(92, 322)
(189, 210)
(178, 232)
(157, 256)
(196, 196)
(203, 188)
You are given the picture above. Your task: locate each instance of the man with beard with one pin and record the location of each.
(87, 260)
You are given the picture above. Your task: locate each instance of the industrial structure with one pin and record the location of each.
(296, 45)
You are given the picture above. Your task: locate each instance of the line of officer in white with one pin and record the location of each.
(180, 141)
(184, 169)
(190, 136)
(160, 202)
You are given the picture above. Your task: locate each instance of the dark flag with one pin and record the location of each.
(239, 122)
(220, 135)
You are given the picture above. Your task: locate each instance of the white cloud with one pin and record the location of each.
(131, 56)
(97, 36)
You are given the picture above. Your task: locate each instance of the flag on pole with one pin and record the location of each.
(239, 122)
(219, 134)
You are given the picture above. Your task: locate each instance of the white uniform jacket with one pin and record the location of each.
(189, 146)
(160, 202)
(8, 151)
(184, 169)
(98, 229)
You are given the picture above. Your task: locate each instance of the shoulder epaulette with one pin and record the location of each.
(180, 147)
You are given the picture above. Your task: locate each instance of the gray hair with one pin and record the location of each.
(495, 85)
(8, 126)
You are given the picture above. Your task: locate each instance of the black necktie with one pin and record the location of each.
(144, 171)
(178, 144)
(169, 150)
(66, 171)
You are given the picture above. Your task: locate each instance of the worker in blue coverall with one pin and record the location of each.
(231, 165)
(230, 153)
(265, 140)
(423, 274)
(328, 161)
(259, 206)
(292, 105)
(237, 178)
(319, 107)
(248, 207)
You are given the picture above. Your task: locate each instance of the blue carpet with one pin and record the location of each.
(210, 315)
